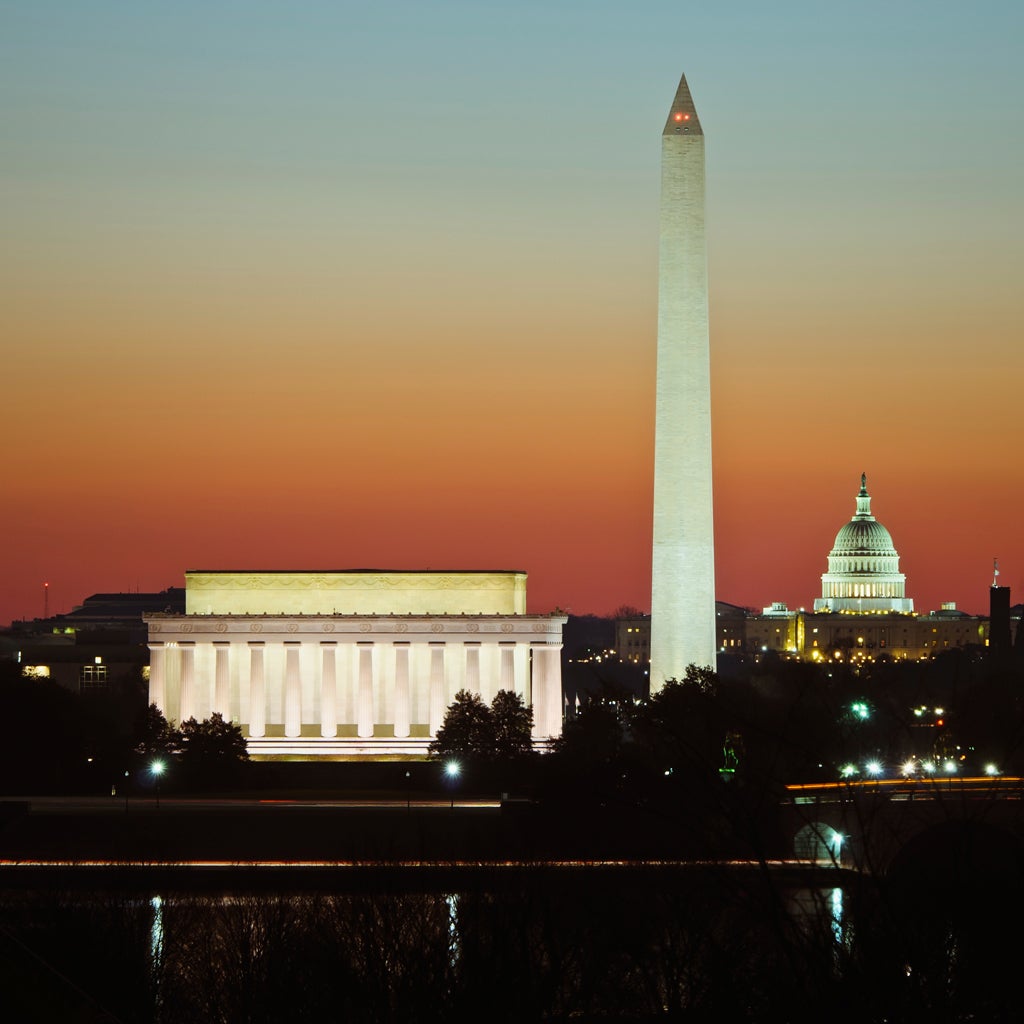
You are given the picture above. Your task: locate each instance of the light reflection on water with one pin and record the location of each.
(451, 901)
(582, 948)
(156, 932)
(721, 945)
(837, 915)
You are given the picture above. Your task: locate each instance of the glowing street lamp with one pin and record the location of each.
(156, 769)
(452, 771)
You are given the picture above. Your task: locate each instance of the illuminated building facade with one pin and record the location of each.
(863, 567)
(823, 635)
(863, 612)
(352, 663)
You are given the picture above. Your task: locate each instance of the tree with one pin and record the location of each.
(212, 740)
(628, 611)
(467, 730)
(156, 736)
(513, 726)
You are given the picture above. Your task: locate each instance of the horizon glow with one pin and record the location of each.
(339, 287)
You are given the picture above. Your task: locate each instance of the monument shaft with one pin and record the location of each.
(683, 562)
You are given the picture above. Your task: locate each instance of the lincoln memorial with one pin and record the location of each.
(359, 663)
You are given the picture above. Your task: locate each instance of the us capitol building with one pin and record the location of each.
(863, 611)
(863, 567)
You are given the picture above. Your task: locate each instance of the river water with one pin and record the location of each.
(717, 943)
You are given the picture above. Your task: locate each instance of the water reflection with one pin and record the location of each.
(156, 933)
(583, 947)
(452, 903)
(837, 915)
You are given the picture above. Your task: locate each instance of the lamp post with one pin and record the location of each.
(157, 768)
(452, 770)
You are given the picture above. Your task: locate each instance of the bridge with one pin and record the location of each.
(885, 825)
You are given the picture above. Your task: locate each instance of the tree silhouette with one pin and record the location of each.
(467, 730)
(513, 726)
(155, 736)
(212, 740)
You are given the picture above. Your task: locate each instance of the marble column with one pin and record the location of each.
(364, 695)
(188, 681)
(437, 687)
(257, 691)
(473, 666)
(222, 680)
(538, 690)
(401, 689)
(507, 667)
(156, 676)
(292, 690)
(329, 689)
(546, 691)
(555, 703)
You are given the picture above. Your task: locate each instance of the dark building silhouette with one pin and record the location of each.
(999, 618)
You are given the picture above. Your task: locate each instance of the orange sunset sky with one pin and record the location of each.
(332, 286)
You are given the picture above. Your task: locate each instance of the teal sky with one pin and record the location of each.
(385, 194)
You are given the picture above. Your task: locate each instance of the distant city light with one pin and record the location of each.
(991, 769)
(848, 771)
(950, 767)
(452, 769)
(909, 767)
(861, 710)
(873, 768)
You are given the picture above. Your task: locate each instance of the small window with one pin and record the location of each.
(93, 676)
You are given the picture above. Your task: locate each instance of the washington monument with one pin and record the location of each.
(683, 563)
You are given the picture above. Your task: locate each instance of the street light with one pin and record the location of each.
(453, 770)
(156, 769)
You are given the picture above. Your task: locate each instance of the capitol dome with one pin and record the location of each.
(863, 567)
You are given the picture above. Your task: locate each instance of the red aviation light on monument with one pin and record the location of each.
(682, 117)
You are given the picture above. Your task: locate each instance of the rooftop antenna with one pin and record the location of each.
(995, 572)
(46, 600)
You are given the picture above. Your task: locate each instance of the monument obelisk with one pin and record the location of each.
(683, 557)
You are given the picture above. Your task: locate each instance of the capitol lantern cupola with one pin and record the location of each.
(863, 567)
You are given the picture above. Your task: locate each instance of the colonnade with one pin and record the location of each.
(340, 685)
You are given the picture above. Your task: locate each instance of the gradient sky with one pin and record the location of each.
(338, 284)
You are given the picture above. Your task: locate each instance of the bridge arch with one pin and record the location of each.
(819, 842)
